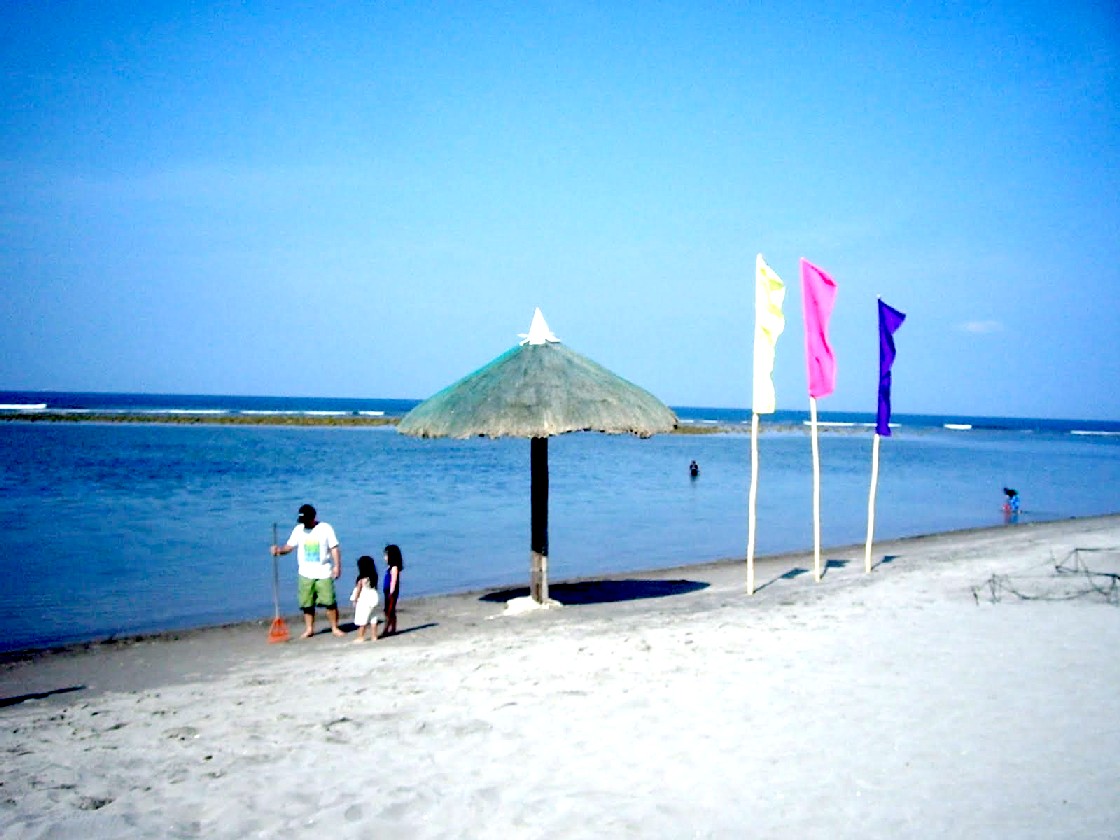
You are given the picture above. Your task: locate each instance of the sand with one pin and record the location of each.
(904, 703)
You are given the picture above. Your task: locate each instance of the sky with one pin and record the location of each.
(369, 199)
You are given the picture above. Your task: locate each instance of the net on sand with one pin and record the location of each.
(1091, 574)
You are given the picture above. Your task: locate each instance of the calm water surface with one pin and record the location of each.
(134, 528)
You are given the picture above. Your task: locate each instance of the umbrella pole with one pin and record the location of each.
(538, 493)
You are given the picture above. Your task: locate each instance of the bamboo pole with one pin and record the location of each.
(871, 503)
(752, 498)
(816, 492)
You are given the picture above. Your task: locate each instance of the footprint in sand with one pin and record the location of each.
(472, 727)
(182, 733)
(340, 730)
(93, 803)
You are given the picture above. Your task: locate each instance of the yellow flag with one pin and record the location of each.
(769, 322)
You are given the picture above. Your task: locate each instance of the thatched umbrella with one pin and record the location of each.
(538, 389)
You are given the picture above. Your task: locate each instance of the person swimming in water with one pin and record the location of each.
(694, 469)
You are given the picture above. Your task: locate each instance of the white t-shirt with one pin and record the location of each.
(314, 550)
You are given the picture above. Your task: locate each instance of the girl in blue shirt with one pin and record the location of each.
(394, 565)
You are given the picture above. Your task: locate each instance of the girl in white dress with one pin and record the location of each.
(365, 598)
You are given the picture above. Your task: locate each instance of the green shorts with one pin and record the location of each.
(316, 593)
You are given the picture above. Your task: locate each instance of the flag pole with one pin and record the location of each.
(816, 492)
(751, 503)
(871, 503)
(818, 294)
(890, 319)
(769, 292)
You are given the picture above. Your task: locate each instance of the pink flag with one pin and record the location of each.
(818, 294)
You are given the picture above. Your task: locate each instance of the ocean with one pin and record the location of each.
(124, 529)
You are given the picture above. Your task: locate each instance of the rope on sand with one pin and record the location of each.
(1069, 579)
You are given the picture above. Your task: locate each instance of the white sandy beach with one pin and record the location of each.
(893, 704)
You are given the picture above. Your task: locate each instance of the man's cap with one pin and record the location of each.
(306, 514)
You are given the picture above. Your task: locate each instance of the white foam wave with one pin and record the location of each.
(842, 424)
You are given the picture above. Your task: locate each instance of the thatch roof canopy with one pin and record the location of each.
(539, 389)
(536, 390)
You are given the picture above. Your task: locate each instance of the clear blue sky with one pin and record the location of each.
(370, 198)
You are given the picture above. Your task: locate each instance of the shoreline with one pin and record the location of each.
(430, 601)
(662, 704)
(347, 420)
(187, 419)
(453, 603)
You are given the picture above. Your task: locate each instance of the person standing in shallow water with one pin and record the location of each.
(320, 565)
(394, 565)
(1011, 505)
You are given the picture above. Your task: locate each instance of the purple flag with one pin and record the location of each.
(890, 320)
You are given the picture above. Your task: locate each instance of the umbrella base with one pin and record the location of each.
(521, 606)
(538, 577)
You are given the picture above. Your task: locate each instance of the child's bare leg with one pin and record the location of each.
(308, 623)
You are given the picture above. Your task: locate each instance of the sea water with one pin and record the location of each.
(118, 529)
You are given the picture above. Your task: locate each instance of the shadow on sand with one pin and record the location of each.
(37, 695)
(603, 591)
(887, 558)
(797, 572)
(349, 627)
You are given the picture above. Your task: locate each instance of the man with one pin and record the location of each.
(320, 564)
